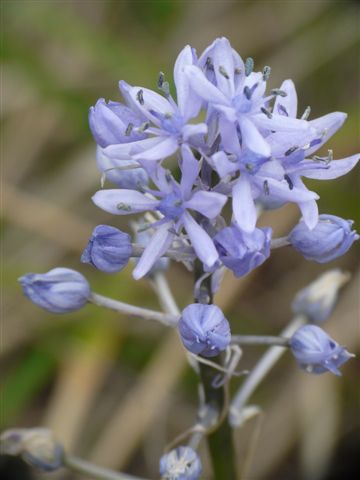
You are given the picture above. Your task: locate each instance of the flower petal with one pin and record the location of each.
(163, 149)
(223, 61)
(243, 205)
(208, 204)
(188, 103)
(189, 170)
(123, 201)
(252, 138)
(290, 101)
(326, 125)
(123, 151)
(200, 241)
(220, 162)
(158, 245)
(151, 101)
(189, 131)
(334, 169)
(279, 123)
(202, 87)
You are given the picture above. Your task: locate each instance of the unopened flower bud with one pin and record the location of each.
(204, 330)
(240, 251)
(318, 299)
(110, 122)
(182, 463)
(108, 249)
(60, 290)
(36, 446)
(316, 352)
(331, 238)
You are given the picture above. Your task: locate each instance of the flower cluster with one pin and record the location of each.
(232, 141)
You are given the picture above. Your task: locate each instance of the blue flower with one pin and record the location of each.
(331, 238)
(316, 352)
(182, 463)
(60, 290)
(240, 251)
(175, 199)
(204, 330)
(109, 249)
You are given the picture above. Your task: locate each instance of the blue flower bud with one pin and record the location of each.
(116, 171)
(331, 238)
(109, 249)
(60, 290)
(182, 463)
(240, 251)
(36, 446)
(112, 123)
(204, 330)
(316, 352)
(318, 299)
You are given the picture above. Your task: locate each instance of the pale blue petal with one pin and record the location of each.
(165, 148)
(188, 103)
(243, 205)
(222, 59)
(252, 138)
(125, 150)
(282, 191)
(158, 245)
(152, 101)
(279, 123)
(123, 201)
(189, 131)
(189, 170)
(208, 204)
(200, 241)
(326, 126)
(334, 169)
(290, 101)
(203, 88)
(223, 166)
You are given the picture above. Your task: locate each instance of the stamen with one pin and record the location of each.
(247, 92)
(279, 92)
(266, 187)
(249, 167)
(325, 160)
(282, 110)
(289, 181)
(291, 150)
(223, 72)
(306, 113)
(123, 206)
(143, 127)
(237, 71)
(266, 73)
(266, 112)
(161, 79)
(209, 64)
(249, 66)
(129, 129)
(140, 97)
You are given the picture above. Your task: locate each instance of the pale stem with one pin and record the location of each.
(168, 319)
(260, 371)
(165, 295)
(279, 242)
(259, 340)
(93, 471)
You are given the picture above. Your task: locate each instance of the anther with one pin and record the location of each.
(123, 206)
(129, 129)
(223, 72)
(266, 187)
(140, 97)
(291, 150)
(289, 181)
(266, 73)
(247, 92)
(237, 71)
(249, 66)
(209, 64)
(278, 92)
(143, 127)
(266, 112)
(161, 79)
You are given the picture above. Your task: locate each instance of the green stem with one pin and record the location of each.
(220, 441)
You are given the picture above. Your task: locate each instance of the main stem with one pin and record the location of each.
(220, 441)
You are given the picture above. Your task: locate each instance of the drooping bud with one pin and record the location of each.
(109, 249)
(318, 299)
(182, 463)
(36, 446)
(60, 290)
(316, 352)
(331, 238)
(204, 330)
(109, 123)
(240, 251)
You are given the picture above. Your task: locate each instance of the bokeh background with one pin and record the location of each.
(116, 390)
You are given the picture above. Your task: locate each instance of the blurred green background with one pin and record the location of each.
(78, 372)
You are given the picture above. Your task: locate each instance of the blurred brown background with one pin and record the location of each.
(116, 389)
